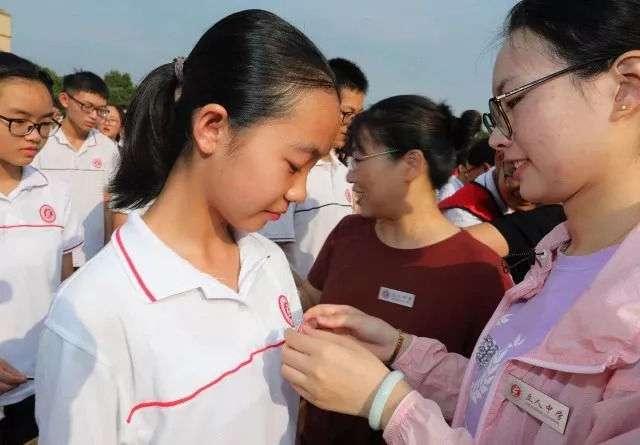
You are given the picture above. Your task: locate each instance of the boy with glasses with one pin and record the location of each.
(81, 156)
(302, 231)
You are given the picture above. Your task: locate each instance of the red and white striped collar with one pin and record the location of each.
(158, 272)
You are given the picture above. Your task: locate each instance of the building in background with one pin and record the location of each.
(5, 31)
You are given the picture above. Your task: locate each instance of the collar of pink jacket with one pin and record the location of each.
(601, 329)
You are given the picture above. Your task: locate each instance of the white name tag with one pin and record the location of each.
(396, 297)
(547, 410)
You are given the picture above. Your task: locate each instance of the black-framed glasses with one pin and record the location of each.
(23, 127)
(497, 117)
(88, 108)
(111, 120)
(348, 116)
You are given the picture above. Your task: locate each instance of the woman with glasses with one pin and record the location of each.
(401, 260)
(559, 362)
(38, 231)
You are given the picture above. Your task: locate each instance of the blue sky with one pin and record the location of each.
(441, 49)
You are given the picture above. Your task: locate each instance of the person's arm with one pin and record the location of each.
(433, 372)
(615, 419)
(72, 237)
(10, 377)
(108, 217)
(520, 231)
(415, 420)
(487, 234)
(76, 396)
(67, 266)
(338, 374)
(427, 365)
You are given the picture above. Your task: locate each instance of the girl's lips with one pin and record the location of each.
(30, 151)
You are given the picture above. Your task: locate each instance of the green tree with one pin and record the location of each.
(120, 86)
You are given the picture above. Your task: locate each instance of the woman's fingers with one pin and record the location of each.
(332, 337)
(328, 310)
(5, 366)
(301, 342)
(6, 388)
(296, 359)
(293, 376)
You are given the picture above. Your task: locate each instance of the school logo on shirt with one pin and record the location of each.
(285, 310)
(97, 163)
(347, 194)
(47, 213)
(516, 391)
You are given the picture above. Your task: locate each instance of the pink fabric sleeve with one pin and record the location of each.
(419, 421)
(615, 417)
(433, 372)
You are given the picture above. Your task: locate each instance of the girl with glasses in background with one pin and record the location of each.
(38, 230)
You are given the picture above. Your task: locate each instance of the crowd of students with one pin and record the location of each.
(247, 233)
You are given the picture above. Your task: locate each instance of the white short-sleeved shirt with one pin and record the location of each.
(305, 227)
(462, 218)
(449, 189)
(87, 171)
(141, 347)
(38, 224)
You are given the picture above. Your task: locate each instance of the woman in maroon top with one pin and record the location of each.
(401, 260)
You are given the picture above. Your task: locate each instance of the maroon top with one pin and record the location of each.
(447, 291)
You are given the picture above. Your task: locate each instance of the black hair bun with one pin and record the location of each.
(462, 129)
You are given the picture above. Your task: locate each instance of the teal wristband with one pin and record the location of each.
(381, 398)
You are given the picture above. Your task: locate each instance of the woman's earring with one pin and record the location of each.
(624, 107)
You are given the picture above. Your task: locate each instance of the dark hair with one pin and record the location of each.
(12, 66)
(85, 82)
(411, 122)
(581, 30)
(120, 111)
(480, 153)
(349, 75)
(253, 63)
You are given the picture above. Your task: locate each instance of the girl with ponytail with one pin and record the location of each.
(171, 334)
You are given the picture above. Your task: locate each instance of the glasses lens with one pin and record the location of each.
(102, 112)
(347, 117)
(48, 129)
(21, 127)
(488, 122)
(499, 119)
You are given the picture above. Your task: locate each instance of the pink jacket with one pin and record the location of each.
(590, 362)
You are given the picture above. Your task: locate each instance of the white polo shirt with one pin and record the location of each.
(462, 218)
(141, 347)
(87, 171)
(37, 226)
(449, 189)
(306, 226)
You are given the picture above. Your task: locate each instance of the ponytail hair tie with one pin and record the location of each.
(178, 67)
